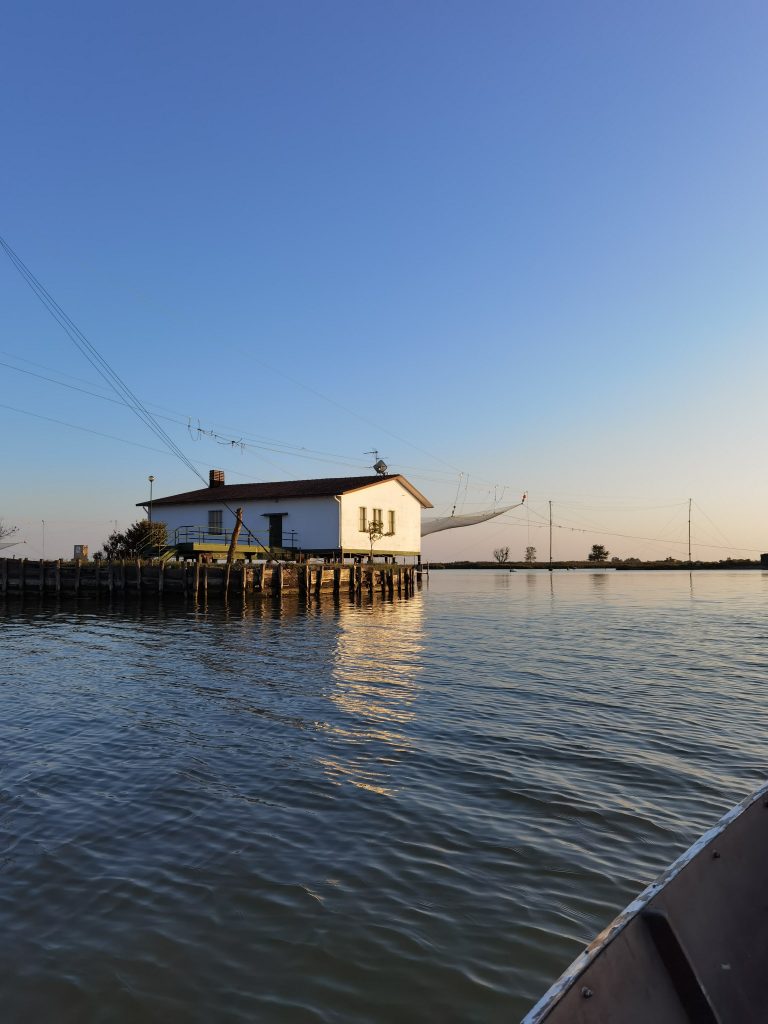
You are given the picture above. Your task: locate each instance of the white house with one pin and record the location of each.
(329, 518)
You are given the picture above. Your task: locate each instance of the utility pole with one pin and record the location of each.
(689, 531)
(149, 537)
(43, 522)
(550, 536)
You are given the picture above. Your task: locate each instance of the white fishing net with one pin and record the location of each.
(454, 522)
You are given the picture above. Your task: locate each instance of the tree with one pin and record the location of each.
(598, 554)
(376, 532)
(6, 530)
(501, 555)
(139, 541)
(530, 554)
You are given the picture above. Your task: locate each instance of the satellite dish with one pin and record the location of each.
(380, 467)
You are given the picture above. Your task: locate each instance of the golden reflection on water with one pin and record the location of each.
(374, 685)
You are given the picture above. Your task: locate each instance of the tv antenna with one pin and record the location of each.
(378, 464)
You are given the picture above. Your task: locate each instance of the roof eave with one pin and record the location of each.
(204, 495)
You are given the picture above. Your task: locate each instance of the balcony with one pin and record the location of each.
(192, 541)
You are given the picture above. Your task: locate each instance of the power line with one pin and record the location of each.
(101, 433)
(86, 430)
(629, 536)
(94, 357)
(245, 441)
(714, 525)
(128, 398)
(351, 412)
(525, 522)
(102, 367)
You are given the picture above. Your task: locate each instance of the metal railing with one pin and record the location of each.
(204, 535)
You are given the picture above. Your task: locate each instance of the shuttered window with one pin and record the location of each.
(363, 520)
(214, 521)
(378, 518)
(391, 521)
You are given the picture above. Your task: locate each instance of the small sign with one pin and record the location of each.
(81, 550)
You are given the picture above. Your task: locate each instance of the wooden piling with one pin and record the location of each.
(86, 579)
(233, 542)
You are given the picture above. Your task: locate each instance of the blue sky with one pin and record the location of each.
(525, 242)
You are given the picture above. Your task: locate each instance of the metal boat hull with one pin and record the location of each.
(693, 947)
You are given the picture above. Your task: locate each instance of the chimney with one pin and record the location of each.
(216, 478)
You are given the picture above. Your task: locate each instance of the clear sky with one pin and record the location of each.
(521, 241)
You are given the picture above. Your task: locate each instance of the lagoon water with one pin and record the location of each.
(382, 812)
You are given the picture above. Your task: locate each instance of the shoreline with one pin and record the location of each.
(618, 566)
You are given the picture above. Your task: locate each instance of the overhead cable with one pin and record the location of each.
(94, 357)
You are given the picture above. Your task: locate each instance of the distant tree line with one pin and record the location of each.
(598, 554)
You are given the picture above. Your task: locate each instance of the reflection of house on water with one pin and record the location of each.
(374, 687)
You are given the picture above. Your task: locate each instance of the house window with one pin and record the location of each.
(378, 518)
(363, 520)
(214, 521)
(391, 515)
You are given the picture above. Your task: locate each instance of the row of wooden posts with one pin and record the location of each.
(196, 580)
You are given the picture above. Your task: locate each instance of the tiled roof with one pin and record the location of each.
(285, 489)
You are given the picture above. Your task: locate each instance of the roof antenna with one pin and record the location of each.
(379, 464)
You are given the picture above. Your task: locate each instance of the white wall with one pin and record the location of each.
(315, 520)
(389, 494)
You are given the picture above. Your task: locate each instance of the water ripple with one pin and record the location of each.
(375, 812)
